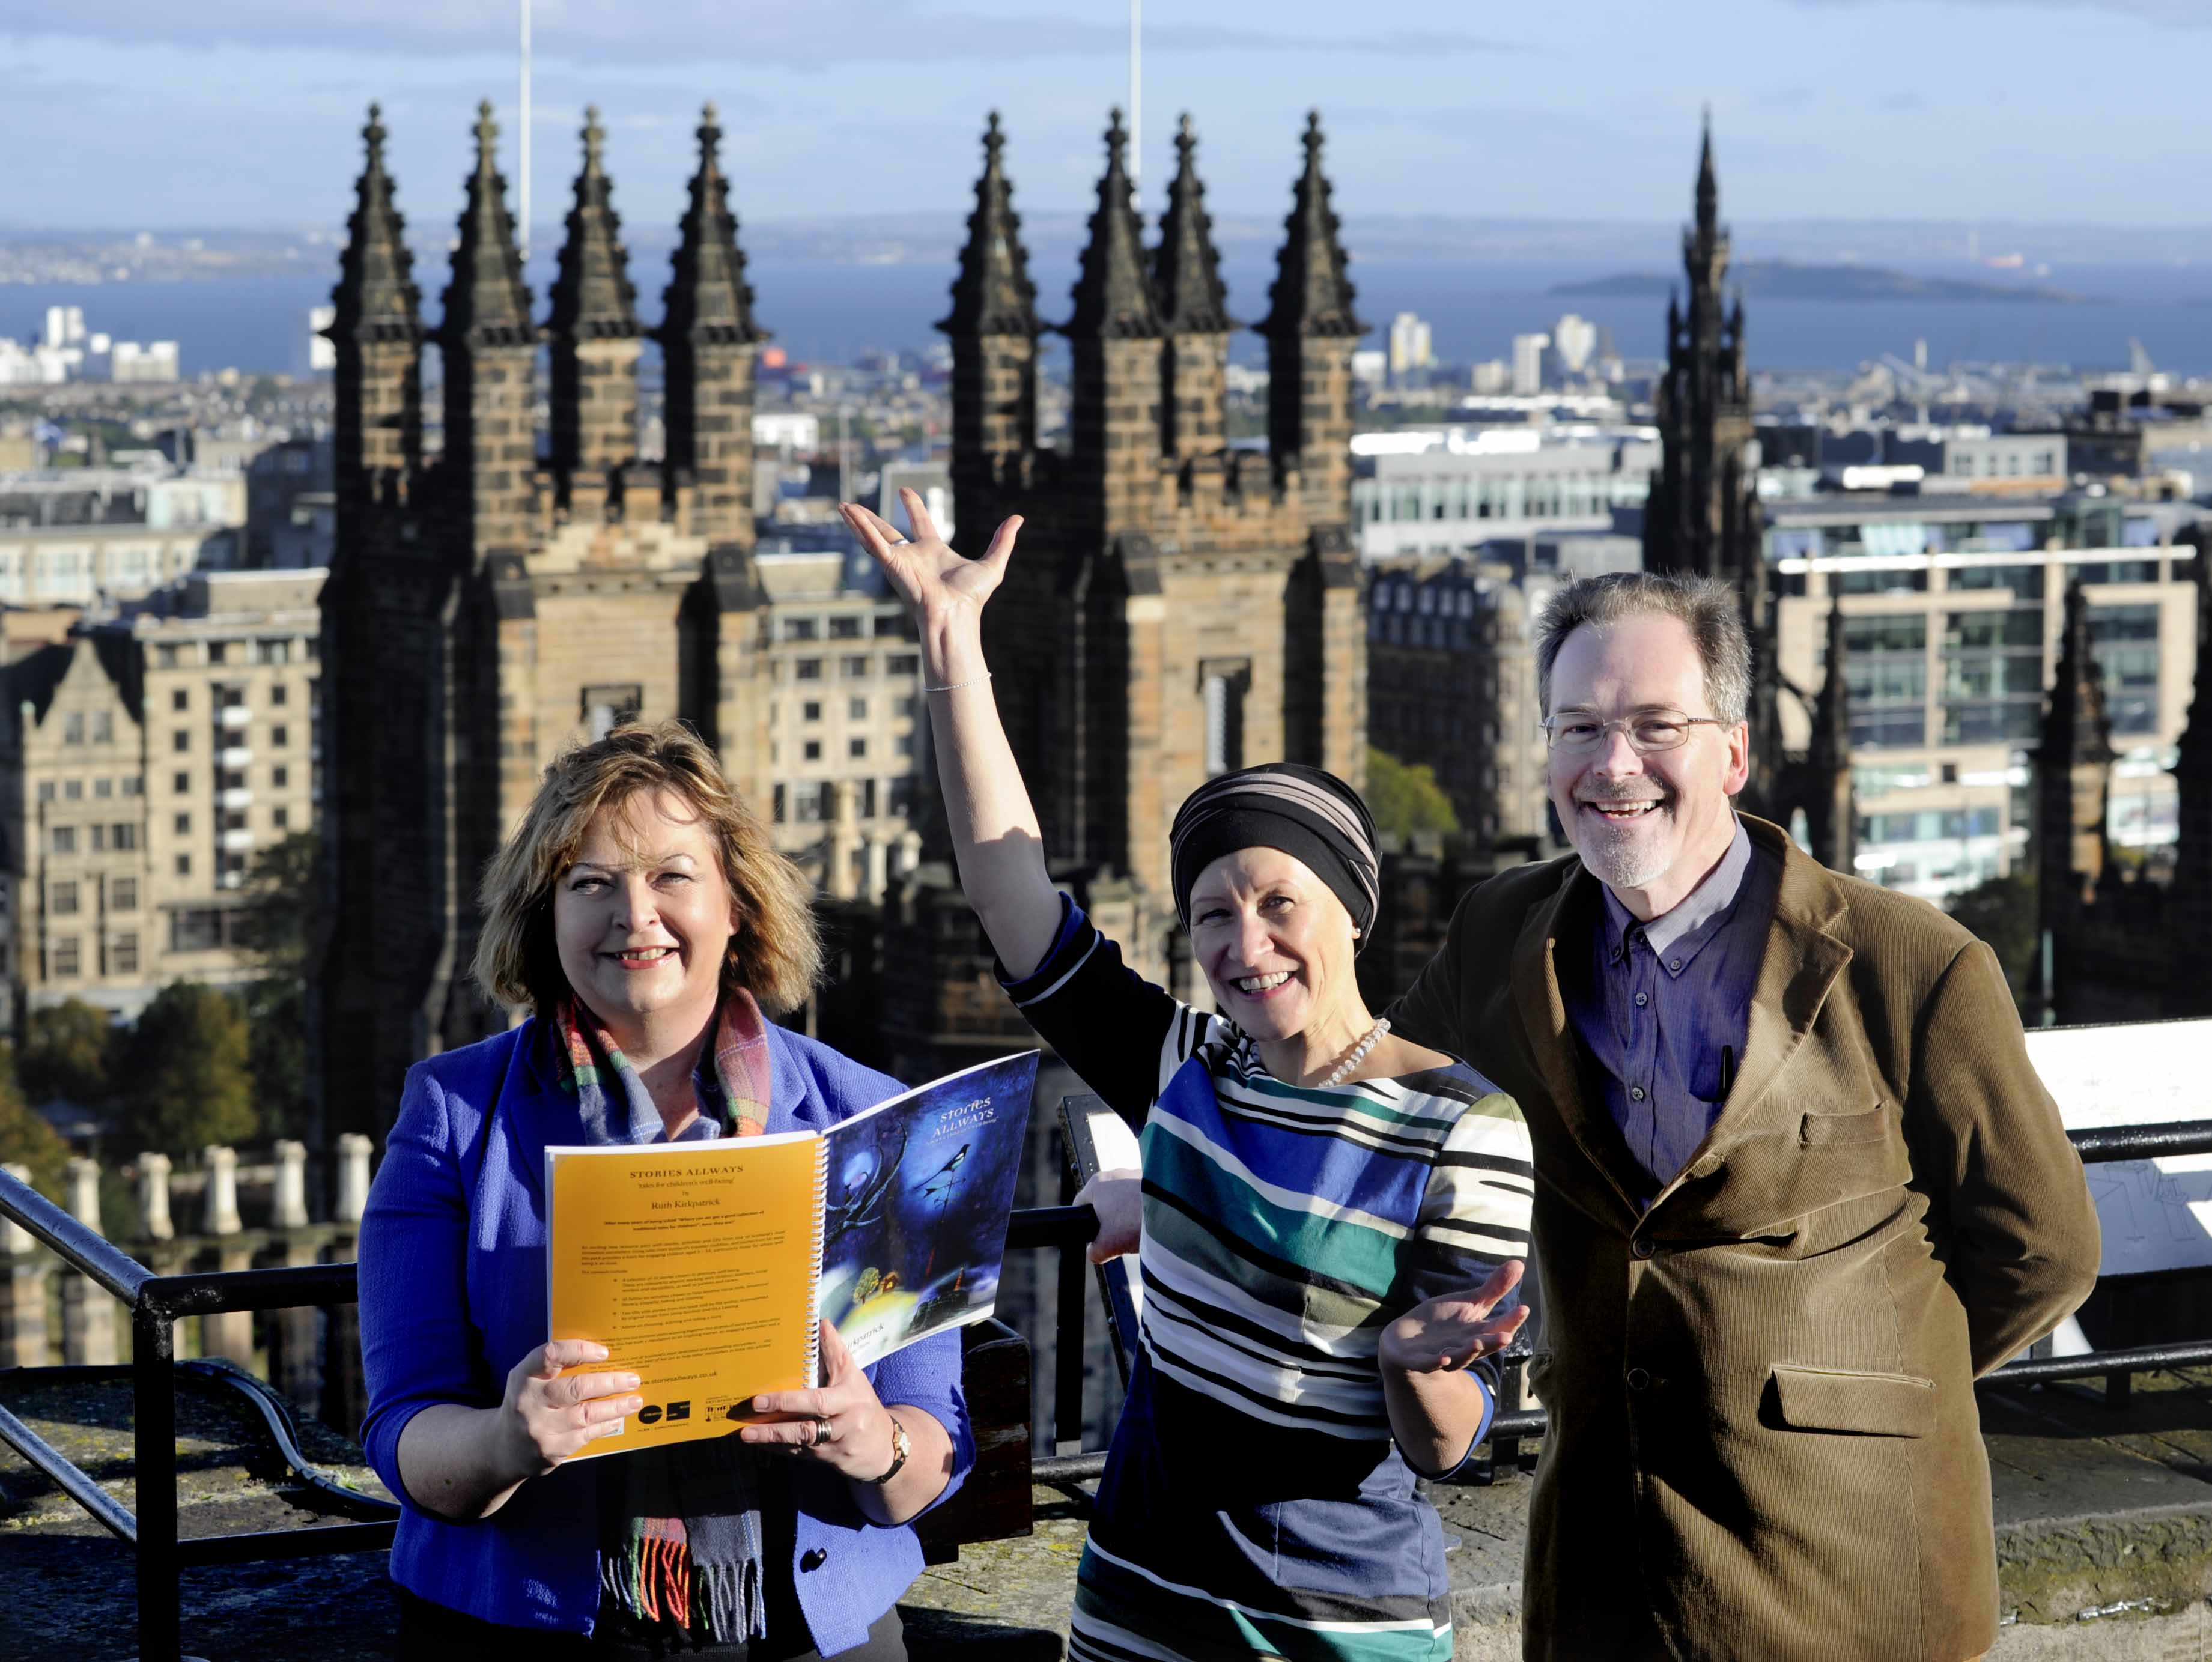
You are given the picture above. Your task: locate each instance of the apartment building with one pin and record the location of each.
(143, 762)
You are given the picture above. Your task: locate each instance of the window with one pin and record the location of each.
(854, 668)
(806, 802)
(122, 838)
(811, 710)
(813, 752)
(61, 899)
(99, 838)
(1223, 686)
(280, 778)
(280, 735)
(73, 727)
(103, 787)
(2125, 641)
(66, 957)
(45, 790)
(231, 780)
(181, 699)
(62, 840)
(133, 786)
(867, 799)
(103, 727)
(807, 669)
(802, 629)
(181, 740)
(281, 818)
(232, 822)
(903, 744)
(184, 865)
(857, 748)
(180, 783)
(165, 658)
(893, 626)
(195, 928)
(844, 628)
(73, 790)
(271, 652)
(905, 706)
(184, 825)
(780, 806)
(278, 694)
(218, 651)
(605, 709)
(122, 956)
(902, 664)
(123, 893)
(856, 709)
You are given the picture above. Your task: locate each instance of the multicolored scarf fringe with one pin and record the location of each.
(680, 1544)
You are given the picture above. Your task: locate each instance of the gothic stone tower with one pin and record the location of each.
(1176, 608)
(2073, 788)
(1702, 516)
(487, 608)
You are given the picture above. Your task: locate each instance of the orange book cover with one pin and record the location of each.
(697, 1265)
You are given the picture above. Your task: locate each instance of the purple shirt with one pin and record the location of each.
(1662, 1008)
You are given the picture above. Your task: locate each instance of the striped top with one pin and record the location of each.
(1284, 1226)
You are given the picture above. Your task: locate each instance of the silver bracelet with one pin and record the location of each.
(958, 685)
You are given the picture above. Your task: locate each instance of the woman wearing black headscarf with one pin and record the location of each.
(1333, 1216)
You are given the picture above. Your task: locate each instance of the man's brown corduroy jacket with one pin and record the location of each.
(1764, 1438)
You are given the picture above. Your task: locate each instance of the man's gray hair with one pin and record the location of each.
(1708, 608)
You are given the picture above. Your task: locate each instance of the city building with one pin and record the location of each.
(846, 731)
(72, 536)
(144, 760)
(1574, 340)
(1529, 352)
(1953, 620)
(1451, 489)
(484, 609)
(1410, 345)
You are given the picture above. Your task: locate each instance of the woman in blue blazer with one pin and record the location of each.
(642, 914)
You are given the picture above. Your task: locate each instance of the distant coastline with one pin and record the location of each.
(1789, 280)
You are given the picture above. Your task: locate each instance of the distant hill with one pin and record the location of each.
(1787, 280)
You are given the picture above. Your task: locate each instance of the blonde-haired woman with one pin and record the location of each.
(643, 916)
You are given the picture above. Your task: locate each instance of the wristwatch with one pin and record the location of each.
(900, 1449)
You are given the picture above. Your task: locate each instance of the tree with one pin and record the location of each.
(26, 1139)
(1405, 800)
(2003, 912)
(183, 1074)
(281, 913)
(66, 1050)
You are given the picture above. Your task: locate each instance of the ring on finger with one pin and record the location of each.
(824, 1432)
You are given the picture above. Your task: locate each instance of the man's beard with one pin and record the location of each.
(1630, 856)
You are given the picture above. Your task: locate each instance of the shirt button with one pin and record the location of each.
(813, 1558)
(1640, 1248)
(1635, 1093)
(1641, 999)
(1675, 964)
(1637, 1379)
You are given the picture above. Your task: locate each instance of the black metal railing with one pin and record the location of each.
(157, 1302)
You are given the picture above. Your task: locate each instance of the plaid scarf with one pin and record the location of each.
(685, 1520)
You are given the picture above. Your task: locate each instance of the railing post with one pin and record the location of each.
(353, 1177)
(1067, 1336)
(219, 1200)
(88, 1317)
(23, 1272)
(153, 1220)
(288, 1201)
(153, 1459)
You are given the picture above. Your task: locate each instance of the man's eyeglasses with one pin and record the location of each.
(1647, 730)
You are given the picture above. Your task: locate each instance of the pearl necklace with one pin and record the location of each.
(1356, 1054)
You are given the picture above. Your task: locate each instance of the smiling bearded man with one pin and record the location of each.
(1797, 1183)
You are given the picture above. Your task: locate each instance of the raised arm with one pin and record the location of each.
(987, 807)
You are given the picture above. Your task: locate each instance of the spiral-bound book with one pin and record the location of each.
(707, 1268)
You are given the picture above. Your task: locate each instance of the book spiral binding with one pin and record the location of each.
(821, 1231)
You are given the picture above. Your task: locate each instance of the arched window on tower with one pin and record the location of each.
(1223, 685)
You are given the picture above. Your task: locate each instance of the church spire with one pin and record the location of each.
(992, 293)
(1186, 267)
(1709, 189)
(708, 341)
(1113, 294)
(376, 333)
(486, 301)
(593, 297)
(1311, 295)
(707, 298)
(2074, 761)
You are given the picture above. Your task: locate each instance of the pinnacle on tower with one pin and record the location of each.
(2073, 778)
(376, 297)
(1187, 268)
(2077, 717)
(1113, 296)
(487, 303)
(992, 293)
(707, 299)
(1709, 190)
(1311, 295)
(593, 297)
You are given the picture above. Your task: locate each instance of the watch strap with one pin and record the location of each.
(900, 1449)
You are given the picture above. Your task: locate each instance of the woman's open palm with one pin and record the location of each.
(926, 571)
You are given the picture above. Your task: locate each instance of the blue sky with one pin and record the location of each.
(245, 112)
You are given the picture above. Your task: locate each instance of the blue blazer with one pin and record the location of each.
(453, 1295)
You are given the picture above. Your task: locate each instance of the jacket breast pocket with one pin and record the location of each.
(1848, 1401)
(1828, 1131)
